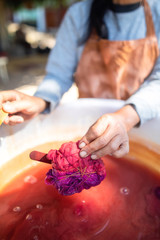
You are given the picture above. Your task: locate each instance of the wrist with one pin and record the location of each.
(128, 116)
(42, 104)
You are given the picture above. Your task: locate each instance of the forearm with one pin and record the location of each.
(61, 64)
(51, 90)
(147, 101)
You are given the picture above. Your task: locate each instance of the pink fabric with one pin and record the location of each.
(70, 173)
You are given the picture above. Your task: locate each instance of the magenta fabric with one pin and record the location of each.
(70, 173)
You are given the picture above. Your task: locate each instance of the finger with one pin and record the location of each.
(27, 116)
(98, 143)
(15, 106)
(8, 96)
(6, 121)
(112, 146)
(94, 132)
(122, 151)
(15, 119)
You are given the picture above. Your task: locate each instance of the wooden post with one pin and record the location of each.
(3, 30)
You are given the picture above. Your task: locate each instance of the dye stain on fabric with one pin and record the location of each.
(70, 173)
(126, 205)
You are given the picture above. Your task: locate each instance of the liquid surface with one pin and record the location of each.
(125, 206)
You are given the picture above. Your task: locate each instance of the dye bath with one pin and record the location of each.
(125, 206)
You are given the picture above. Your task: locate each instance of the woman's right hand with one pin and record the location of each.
(108, 135)
(20, 106)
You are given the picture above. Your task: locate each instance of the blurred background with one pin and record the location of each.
(27, 34)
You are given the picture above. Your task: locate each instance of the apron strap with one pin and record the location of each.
(149, 19)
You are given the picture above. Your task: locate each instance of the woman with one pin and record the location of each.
(112, 50)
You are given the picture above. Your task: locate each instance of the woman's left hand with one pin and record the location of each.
(108, 136)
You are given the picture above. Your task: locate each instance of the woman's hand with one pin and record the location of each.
(108, 136)
(19, 106)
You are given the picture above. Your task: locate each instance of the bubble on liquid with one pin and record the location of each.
(30, 179)
(29, 217)
(124, 190)
(39, 206)
(17, 209)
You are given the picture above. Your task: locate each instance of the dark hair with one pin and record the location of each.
(96, 22)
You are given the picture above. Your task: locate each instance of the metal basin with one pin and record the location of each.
(70, 121)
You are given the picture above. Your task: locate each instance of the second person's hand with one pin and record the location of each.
(108, 136)
(20, 106)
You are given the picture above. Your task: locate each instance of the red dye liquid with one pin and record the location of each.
(125, 206)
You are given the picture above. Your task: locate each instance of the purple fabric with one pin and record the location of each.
(70, 173)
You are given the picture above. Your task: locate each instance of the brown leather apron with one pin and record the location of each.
(116, 69)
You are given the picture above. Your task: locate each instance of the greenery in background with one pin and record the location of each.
(18, 4)
(15, 4)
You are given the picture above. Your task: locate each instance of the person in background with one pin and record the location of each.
(110, 48)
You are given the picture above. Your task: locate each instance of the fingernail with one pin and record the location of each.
(93, 156)
(7, 107)
(83, 154)
(82, 144)
(20, 120)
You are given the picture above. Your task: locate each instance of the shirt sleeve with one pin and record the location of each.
(146, 100)
(62, 63)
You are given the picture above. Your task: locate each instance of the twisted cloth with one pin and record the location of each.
(70, 173)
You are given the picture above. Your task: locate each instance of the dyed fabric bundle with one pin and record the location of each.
(70, 173)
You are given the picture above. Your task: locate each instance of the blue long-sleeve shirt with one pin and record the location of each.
(66, 54)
